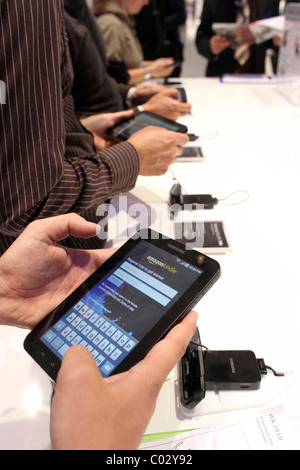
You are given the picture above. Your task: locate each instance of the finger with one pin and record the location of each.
(122, 116)
(162, 359)
(181, 139)
(78, 367)
(171, 92)
(81, 228)
(75, 358)
(170, 64)
(181, 106)
(60, 227)
(179, 151)
(184, 107)
(167, 60)
(151, 89)
(156, 88)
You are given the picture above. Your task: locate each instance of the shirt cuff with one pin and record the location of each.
(124, 163)
(130, 96)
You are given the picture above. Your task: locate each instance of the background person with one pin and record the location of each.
(222, 58)
(116, 21)
(50, 163)
(159, 28)
(94, 90)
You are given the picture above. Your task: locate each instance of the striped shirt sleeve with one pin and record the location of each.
(48, 163)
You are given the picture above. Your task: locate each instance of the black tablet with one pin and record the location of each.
(126, 306)
(126, 129)
(182, 97)
(191, 154)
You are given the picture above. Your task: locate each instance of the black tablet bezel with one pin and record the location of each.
(211, 272)
(182, 97)
(164, 122)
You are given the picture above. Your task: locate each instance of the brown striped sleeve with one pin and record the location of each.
(48, 163)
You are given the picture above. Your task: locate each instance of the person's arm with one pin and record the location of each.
(118, 50)
(48, 163)
(158, 68)
(42, 171)
(92, 413)
(94, 91)
(166, 104)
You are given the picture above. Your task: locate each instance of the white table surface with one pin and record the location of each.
(255, 304)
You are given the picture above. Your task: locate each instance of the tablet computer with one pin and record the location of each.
(191, 154)
(126, 306)
(126, 129)
(182, 96)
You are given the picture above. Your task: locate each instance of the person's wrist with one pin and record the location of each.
(130, 96)
(5, 310)
(148, 75)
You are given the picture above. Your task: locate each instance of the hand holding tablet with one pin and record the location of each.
(129, 304)
(124, 130)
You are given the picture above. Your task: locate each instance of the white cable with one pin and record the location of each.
(228, 203)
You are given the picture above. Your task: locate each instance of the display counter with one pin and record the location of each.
(249, 135)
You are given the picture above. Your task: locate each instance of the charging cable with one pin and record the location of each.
(263, 369)
(229, 200)
(174, 177)
(233, 199)
(207, 200)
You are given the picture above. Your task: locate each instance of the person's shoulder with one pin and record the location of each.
(110, 19)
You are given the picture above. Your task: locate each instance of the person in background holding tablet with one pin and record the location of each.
(88, 412)
(115, 18)
(221, 57)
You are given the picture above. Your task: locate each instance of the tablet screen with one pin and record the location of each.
(115, 314)
(126, 129)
